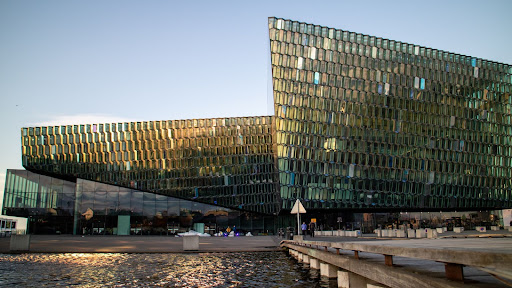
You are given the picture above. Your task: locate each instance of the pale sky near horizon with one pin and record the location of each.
(67, 62)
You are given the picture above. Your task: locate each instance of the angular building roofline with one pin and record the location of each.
(400, 42)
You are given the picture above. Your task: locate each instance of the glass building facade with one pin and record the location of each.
(361, 124)
(227, 162)
(364, 122)
(86, 207)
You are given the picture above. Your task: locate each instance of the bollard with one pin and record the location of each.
(190, 243)
(458, 229)
(20, 243)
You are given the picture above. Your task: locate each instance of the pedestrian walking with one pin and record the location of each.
(312, 229)
(304, 227)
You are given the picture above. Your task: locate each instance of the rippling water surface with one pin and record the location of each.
(256, 269)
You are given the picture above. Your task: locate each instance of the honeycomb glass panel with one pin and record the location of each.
(205, 160)
(419, 126)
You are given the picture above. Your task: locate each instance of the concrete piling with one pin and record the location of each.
(314, 263)
(328, 270)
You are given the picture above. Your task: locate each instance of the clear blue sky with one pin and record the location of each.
(63, 62)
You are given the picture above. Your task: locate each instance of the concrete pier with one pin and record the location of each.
(412, 263)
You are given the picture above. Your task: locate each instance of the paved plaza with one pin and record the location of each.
(170, 244)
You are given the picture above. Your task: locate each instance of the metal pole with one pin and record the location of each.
(298, 222)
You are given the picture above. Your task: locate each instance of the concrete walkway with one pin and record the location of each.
(481, 254)
(170, 244)
(448, 234)
(142, 244)
(403, 272)
(489, 251)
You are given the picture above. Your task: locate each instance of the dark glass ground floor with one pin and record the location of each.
(124, 224)
(56, 206)
(57, 221)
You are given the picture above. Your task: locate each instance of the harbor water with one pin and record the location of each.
(245, 269)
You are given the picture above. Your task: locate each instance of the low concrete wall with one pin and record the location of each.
(389, 233)
(341, 233)
(431, 233)
(421, 233)
(400, 233)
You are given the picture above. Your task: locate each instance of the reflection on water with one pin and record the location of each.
(256, 269)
